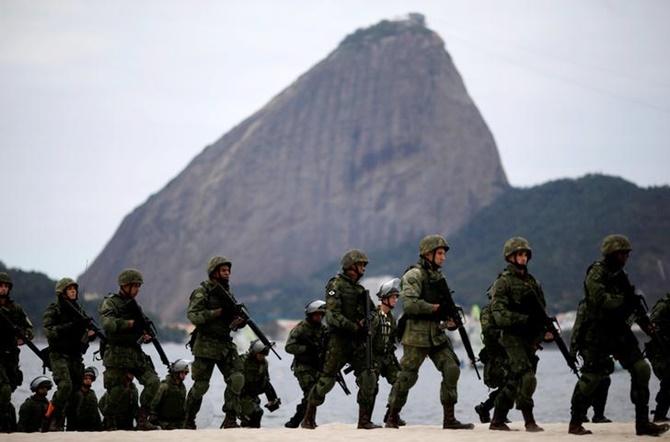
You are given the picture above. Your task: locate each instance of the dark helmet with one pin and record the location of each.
(63, 284)
(92, 372)
(615, 243)
(432, 242)
(4, 277)
(317, 306)
(516, 244)
(130, 276)
(216, 261)
(40, 381)
(179, 366)
(389, 288)
(256, 346)
(352, 257)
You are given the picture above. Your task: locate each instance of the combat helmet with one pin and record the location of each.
(4, 277)
(317, 306)
(130, 276)
(256, 346)
(432, 242)
(517, 244)
(615, 243)
(91, 371)
(389, 288)
(352, 257)
(216, 261)
(39, 381)
(64, 283)
(179, 365)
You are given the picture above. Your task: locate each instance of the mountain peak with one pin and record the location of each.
(412, 23)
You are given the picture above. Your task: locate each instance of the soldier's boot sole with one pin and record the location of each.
(578, 430)
(650, 429)
(501, 426)
(534, 428)
(601, 420)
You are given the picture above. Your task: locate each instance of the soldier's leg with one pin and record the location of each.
(60, 368)
(7, 423)
(447, 363)
(201, 372)
(600, 400)
(410, 363)
(115, 397)
(147, 377)
(306, 380)
(76, 375)
(367, 381)
(663, 398)
(232, 368)
(596, 366)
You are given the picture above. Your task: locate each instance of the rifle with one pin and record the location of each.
(339, 378)
(368, 332)
(550, 324)
(641, 309)
(450, 311)
(18, 332)
(145, 324)
(91, 325)
(240, 310)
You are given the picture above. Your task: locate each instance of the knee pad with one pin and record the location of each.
(236, 382)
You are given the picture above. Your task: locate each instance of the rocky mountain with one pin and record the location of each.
(377, 143)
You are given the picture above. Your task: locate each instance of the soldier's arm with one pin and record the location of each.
(108, 316)
(158, 398)
(502, 315)
(597, 295)
(51, 325)
(293, 343)
(410, 294)
(25, 323)
(334, 315)
(197, 312)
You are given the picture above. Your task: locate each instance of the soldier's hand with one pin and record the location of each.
(131, 323)
(436, 307)
(90, 333)
(273, 405)
(19, 341)
(217, 312)
(450, 324)
(237, 323)
(548, 337)
(146, 338)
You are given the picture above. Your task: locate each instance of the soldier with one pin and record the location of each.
(68, 338)
(423, 336)
(212, 344)
(494, 358)
(10, 374)
(167, 407)
(658, 353)
(386, 336)
(516, 301)
(606, 334)
(345, 315)
(126, 407)
(33, 410)
(85, 416)
(256, 382)
(307, 343)
(124, 354)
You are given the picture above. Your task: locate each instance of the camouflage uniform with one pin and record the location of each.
(256, 382)
(605, 334)
(212, 346)
(126, 408)
(385, 360)
(10, 374)
(660, 317)
(85, 412)
(68, 340)
(124, 355)
(307, 343)
(494, 358)
(31, 414)
(168, 404)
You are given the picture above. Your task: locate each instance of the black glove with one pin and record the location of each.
(273, 405)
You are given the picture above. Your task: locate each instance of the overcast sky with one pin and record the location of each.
(102, 103)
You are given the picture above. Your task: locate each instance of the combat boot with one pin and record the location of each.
(661, 413)
(294, 422)
(393, 419)
(364, 419)
(230, 421)
(309, 421)
(599, 401)
(529, 421)
(577, 429)
(499, 419)
(483, 413)
(650, 428)
(189, 422)
(143, 421)
(401, 422)
(449, 422)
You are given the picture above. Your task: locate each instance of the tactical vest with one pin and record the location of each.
(72, 340)
(219, 327)
(521, 290)
(432, 291)
(126, 337)
(352, 297)
(172, 404)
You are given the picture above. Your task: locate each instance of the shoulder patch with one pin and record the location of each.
(331, 292)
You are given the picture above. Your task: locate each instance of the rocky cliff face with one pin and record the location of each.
(378, 142)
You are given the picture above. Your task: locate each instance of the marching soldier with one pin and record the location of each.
(345, 314)
(10, 374)
(516, 301)
(658, 353)
(124, 354)
(68, 337)
(167, 408)
(256, 382)
(306, 343)
(424, 336)
(33, 410)
(212, 344)
(605, 334)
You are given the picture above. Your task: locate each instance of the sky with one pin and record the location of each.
(102, 103)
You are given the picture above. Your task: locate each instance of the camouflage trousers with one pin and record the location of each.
(251, 411)
(444, 359)
(598, 365)
(68, 372)
(341, 350)
(232, 369)
(118, 363)
(661, 367)
(495, 363)
(10, 378)
(520, 383)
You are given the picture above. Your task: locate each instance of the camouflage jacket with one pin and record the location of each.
(168, 403)
(423, 326)
(385, 336)
(123, 349)
(516, 300)
(31, 414)
(66, 332)
(306, 343)
(257, 378)
(14, 312)
(86, 411)
(345, 306)
(660, 316)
